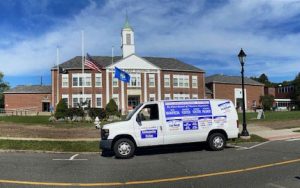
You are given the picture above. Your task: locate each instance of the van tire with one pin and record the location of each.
(124, 148)
(216, 141)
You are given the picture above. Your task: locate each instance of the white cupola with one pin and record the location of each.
(127, 35)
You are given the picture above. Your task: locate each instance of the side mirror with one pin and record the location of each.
(138, 119)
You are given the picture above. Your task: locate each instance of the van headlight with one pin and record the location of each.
(104, 134)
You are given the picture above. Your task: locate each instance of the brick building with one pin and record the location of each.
(229, 87)
(35, 98)
(152, 78)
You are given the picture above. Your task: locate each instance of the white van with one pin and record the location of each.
(172, 122)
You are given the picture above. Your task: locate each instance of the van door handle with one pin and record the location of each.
(160, 128)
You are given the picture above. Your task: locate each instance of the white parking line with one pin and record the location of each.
(247, 148)
(72, 158)
(293, 139)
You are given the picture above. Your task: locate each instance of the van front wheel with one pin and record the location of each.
(216, 141)
(124, 148)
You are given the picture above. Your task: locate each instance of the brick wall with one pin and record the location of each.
(226, 91)
(26, 101)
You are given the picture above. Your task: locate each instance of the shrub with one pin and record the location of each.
(267, 101)
(61, 110)
(112, 108)
(94, 112)
(75, 112)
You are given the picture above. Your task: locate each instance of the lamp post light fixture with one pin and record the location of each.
(244, 133)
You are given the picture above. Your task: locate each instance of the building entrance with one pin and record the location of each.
(46, 106)
(133, 101)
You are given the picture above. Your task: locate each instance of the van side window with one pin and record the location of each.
(149, 113)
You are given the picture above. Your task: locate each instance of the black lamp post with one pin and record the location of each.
(242, 57)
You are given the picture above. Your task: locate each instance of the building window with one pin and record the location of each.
(98, 80)
(167, 80)
(81, 100)
(152, 97)
(65, 80)
(135, 80)
(181, 81)
(195, 96)
(115, 82)
(128, 39)
(167, 97)
(151, 80)
(181, 96)
(98, 100)
(80, 80)
(75, 81)
(66, 99)
(194, 81)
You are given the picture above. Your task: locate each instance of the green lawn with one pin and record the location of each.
(271, 116)
(26, 119)
(42, 120)
(62, 146)
(253, 138)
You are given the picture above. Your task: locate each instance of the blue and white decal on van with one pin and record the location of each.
(225, 107)
(187, 108)
(174, 124)
(151, 133)
(190, 125)
(220, 120)
(205, 121)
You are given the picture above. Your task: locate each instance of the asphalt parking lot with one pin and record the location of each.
(270, 164)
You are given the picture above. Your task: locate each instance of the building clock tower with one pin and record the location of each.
(127, 35)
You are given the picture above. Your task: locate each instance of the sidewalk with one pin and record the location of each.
(272, 134)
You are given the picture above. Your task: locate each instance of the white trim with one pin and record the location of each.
(122, 98)
(283, 100)
(152, 95)
(195, 77)
(167, 76)
(158, 86)
(167, 95)
(151, 76)
(145, 87)
(65, 76)
(107, 87)
(98, 75)
(112, 66)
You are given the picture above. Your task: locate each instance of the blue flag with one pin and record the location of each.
(122, 75)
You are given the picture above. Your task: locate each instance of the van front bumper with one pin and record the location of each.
(106, 144)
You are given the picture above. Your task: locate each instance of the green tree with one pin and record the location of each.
(3, 87)
(296, 83)
(112, 108)
(267, 101)
(61, 109)
(263, 78)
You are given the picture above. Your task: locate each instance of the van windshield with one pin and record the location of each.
(128, 117)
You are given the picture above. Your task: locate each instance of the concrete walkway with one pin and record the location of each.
(272, 134)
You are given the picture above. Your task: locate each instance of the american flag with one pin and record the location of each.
(89, 62)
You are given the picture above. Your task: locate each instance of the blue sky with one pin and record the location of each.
(205, 33)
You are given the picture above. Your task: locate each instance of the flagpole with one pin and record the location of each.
(112, 74)
(82, 55)
(57, 84)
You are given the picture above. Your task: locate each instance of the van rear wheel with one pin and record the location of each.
(216, 141)
(124, 148)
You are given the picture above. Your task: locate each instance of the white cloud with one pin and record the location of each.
(171, 28)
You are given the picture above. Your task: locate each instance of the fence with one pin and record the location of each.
(19, 112)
